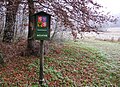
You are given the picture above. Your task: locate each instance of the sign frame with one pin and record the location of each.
(40, 30)
(42, 33)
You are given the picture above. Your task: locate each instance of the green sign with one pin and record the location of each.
(42, 26)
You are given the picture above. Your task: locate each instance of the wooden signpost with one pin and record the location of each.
(42, 32)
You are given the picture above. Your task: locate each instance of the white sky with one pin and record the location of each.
(112, 6)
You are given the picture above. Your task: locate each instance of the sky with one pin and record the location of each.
(112, 6)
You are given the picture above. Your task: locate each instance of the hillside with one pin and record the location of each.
(69, 65)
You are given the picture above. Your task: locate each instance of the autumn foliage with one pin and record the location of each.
(79, 15)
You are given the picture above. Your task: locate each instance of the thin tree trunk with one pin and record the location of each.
(2, 27)
(30, 28)
(55, 30)
(1, 59)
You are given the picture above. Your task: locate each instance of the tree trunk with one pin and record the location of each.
(55, 30)
(30, 28)
(1, 59)
(12, 7)
(2, 27)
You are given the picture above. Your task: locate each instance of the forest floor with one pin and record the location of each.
(89, 63)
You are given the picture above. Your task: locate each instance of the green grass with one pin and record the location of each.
(79, 65)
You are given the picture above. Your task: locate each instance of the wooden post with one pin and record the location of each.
(41, 77)
(41, 33)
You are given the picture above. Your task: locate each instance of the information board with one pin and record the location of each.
(42, 26)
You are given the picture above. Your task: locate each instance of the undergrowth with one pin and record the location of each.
(69, 65)
(78, 65)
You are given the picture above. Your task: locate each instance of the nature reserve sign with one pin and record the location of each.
(42, 26)
(42, 32)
